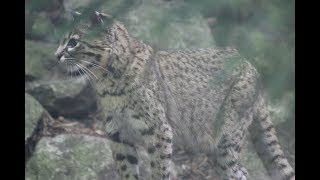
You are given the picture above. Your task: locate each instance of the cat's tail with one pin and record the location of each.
(267, 144)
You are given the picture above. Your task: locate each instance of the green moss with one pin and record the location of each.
(41, 26)
(69, 157)
(68, 88)
(39, 59)
(33, 112)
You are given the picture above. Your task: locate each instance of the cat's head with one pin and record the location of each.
(95, 45)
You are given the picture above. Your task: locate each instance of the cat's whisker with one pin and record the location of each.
(69, 58)
(68, 67)
(79, 72)
(71, 70)
(98, 80)
(72, 67)
(82, 72)
(72, 62)
(88, 70)
(85, 73)
(96, 65)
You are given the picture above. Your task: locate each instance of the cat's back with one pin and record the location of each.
(196, 72)
(197, 81)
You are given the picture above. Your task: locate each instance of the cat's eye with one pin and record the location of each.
(72, 43)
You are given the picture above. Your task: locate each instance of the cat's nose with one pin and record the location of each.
(59, 56)
(59, 53)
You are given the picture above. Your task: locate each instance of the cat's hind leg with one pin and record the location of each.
(237, 114)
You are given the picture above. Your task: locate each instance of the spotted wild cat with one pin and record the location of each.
(205, 99)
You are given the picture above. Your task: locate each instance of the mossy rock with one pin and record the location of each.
(42, 27)
(33, 112)
(29, 20)
(69, 98)
(42, 5)
(40, 60)
(69, 157)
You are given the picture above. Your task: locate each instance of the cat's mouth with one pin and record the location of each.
(66, 59)
(72, 67)
(75, 73)
(78, 69)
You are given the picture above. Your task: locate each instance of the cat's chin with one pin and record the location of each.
(74, 71)
(81, 79)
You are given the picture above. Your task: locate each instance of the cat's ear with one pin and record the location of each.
(103, 15)
(101, 18)
(74, 14)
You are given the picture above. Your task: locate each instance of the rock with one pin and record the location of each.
(40, 17)
(42, 27)
(63, 157)
(29, 20)
(40, 61)
(42, 5)
(33, 112)
(39, 131)
(69, 98)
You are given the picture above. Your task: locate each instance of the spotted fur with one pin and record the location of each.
(204, 99)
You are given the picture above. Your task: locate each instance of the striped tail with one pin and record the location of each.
(267, 145)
